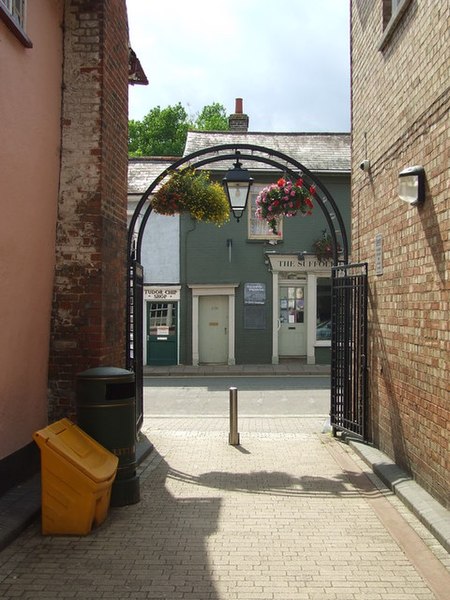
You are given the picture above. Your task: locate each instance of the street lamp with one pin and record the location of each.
(411, 187)
(237, 183)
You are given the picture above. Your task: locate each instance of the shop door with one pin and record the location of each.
(213, 330)
(161, 333)
(292, 331)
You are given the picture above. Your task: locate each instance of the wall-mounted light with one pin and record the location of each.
(411, 185)
(237, 183)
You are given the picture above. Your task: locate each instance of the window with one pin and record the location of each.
(16, 9)
(162, 317)
(323, 322)
(292, 305)
(393, 11)
(12, 13)
(257, 228)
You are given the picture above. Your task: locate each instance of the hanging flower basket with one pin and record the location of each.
(193, 192)
(283, 198)
(323, 247)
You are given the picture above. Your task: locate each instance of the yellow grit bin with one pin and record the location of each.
(76, 478)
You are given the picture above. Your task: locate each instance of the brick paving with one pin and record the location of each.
(291, 513)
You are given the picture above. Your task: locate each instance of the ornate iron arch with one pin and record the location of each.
(206, 156)
(253, 154)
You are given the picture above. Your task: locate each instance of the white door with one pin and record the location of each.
(213, 329)
(292, 332)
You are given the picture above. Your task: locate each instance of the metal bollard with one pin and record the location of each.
(233, 438)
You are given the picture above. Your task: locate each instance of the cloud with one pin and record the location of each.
(288, 59)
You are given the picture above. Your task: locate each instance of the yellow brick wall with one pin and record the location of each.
(400, 118)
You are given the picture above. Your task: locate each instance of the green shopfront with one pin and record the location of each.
(161, 323)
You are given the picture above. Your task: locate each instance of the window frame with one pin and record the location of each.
(396, 13)
(16, 24)
(265, 235)
(324, 342)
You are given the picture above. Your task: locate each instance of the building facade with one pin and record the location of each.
(66, 66)
(240, 294)
(32, 55)
(250, 296)
(400, 117)
(161, 261)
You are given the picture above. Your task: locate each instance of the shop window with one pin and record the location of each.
(257, 228)
(323, 321)
(162, 316)
(13, 14)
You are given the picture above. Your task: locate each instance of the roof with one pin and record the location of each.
(143, 171)
(318, 152)
(136, 73)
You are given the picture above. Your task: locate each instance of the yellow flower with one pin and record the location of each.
(192, 191)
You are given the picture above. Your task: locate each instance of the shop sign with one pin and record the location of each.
(298, 263)
(162, 294)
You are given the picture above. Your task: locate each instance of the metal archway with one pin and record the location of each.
(253, 154)
(342, 367)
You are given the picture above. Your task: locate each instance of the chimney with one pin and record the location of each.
(238, 121)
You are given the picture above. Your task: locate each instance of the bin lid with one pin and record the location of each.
(78, 448)
(107, 373)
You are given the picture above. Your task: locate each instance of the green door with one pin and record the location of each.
(161, 333)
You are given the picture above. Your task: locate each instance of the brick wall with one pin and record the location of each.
(88, 323)
(400, 107)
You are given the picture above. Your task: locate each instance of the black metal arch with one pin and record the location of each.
(206, 156)
(255, 154)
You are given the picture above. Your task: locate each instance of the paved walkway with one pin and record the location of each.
(291, 513)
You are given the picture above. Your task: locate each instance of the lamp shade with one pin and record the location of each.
(411, 185)
(237, 183)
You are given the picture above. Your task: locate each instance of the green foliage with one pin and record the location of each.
(192, 191)
(163, 132)
(212, 118)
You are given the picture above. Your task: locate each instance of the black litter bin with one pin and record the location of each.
(106, 410)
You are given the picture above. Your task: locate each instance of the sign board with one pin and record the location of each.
(379, 254)
(254, 293)
(254, 316)
(162, 294)
(298, 263)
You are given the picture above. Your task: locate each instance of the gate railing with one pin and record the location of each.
(349, 349)
(135, 355)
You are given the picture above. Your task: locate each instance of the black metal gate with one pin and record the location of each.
(349, 349)
(135, 355)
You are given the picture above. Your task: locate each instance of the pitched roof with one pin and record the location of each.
(318, 152)
(143, 171)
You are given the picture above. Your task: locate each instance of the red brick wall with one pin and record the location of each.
(400, 108)
(88, 325)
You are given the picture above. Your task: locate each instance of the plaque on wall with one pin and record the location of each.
(254, 316)
(254, 293)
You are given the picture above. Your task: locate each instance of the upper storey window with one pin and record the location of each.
(258, 229)
(16, 9)
(393, 11)
(12, 13)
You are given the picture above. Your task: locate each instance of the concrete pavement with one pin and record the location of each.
(257, 396)
(290, 513)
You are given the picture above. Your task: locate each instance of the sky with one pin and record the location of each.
(289, 60)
